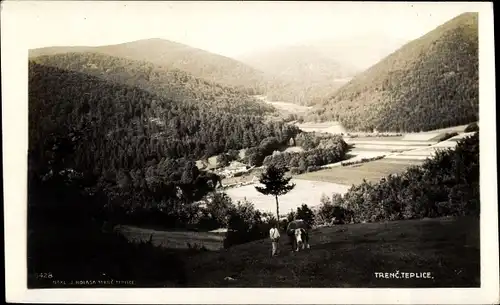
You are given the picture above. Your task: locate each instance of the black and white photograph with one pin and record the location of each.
(239, 144)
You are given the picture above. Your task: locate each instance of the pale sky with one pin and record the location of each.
(227, 28)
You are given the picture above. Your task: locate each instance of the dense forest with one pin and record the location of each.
(160, 80)
(136, 144)
(172, 55)
(429, 83)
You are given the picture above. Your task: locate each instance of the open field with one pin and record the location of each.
(372, 171)
(425, 152)
(406, 152)
(347, 256)
(330, 127)
(372, 139)
(308, 192)
(388, 143)
(398, 154)
(172, 239)
(285, 107)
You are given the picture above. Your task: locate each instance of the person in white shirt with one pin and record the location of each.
(274, 235)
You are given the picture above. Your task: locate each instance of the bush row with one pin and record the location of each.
(446, 185)
(363, 160)
(325, 152)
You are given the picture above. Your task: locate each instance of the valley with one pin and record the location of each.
(388, 155)
(151, 151)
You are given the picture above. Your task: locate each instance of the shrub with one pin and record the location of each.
(472, 127)
(332, 211)
(330, 150)
(245, 224)
(313, 168)
(233, 154)
(222, 160)
(296, 171)
(363, 160)
(306, 214)
(447, 136)
(217, 211)
(255, 156)
(307, 140)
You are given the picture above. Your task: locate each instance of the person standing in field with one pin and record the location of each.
(274, 235)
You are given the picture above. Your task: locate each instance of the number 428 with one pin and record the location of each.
(44, 275)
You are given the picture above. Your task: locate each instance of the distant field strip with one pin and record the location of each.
(172, 239)
(426, 152)
(403, 146)
(389, 143)
(372, 171)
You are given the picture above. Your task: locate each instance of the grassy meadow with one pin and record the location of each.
(354, 174)
(173, 239)
(346, 256)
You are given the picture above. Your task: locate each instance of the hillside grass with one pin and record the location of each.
(172, 239)
(348, 255)
(371, 171)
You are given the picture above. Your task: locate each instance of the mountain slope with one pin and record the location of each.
(359, 51)
(128, 127)
(429, 83)
(305, 74)
(167, 83)
(173, 55)
(300, 63)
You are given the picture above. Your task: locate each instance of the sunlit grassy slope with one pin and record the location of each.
(348, 256)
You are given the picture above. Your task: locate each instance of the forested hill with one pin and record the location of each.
(167, 83)
(128, 128)
(429, 83)
(202, 64)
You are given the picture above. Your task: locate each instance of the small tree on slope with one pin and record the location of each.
(275, 184)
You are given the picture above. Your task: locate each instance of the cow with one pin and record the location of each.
(297, 231)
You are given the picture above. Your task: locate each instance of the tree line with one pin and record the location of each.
(129, 130)
(319, 150)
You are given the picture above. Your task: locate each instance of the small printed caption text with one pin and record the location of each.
(403, 275)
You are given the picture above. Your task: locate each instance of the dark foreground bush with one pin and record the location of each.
(472, 127)
(245, 224)
(80, 250)
(332, 211)
(447, 136)
(69, 241)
